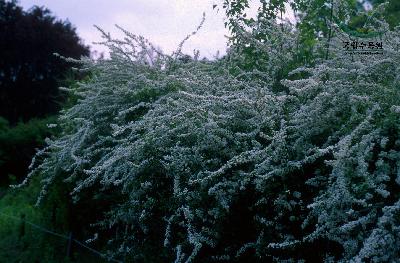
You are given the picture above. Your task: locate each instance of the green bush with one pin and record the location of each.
(201, 161)
(25, 243)
(18, 144)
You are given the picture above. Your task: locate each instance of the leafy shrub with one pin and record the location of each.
(203, 161)
(22, 242)
(17, 146)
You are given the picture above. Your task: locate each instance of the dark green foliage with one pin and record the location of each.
(24, 243)
(392, 11)
(17, 146)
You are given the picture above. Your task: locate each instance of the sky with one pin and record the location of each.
(164, 22)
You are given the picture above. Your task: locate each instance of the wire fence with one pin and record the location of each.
(69, 239)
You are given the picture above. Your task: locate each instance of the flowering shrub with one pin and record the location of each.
(208, 161)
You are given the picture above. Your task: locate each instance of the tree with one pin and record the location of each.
(392, 11)
(29, 72)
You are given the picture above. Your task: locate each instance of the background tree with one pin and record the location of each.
(314, 24)
(30, 75)
(29, 72)
(392, 11)
(29, 96)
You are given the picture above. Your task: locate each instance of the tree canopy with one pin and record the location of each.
(29, 72)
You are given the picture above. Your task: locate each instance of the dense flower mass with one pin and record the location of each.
(211, 161)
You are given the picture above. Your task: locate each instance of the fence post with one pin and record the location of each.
(21, 229)
(69, 245)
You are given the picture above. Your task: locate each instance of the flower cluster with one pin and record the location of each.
(208, 160)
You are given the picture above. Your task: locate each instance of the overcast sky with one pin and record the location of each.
(164, 22)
